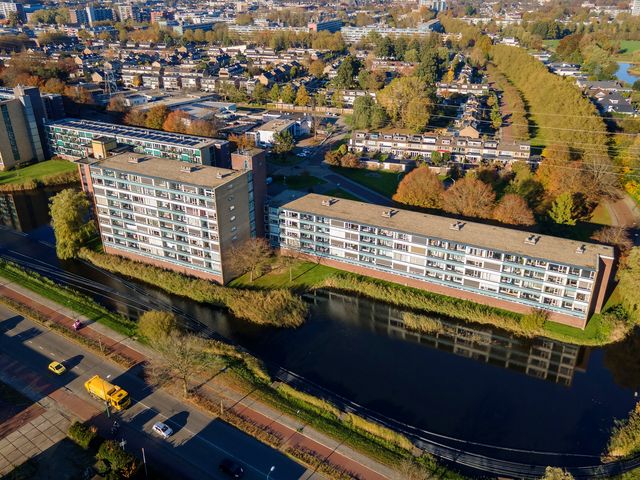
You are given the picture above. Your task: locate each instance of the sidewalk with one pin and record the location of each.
(262, 414)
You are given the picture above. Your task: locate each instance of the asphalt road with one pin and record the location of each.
(198, 444)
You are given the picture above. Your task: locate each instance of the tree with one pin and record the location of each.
(407, 102)
(629, 284)
(317, 68)
(288, 94)
(350, 160)
(69, 211)
(615, 236)
(346, 72)
(416, 116)
(122, 463)
(337, 99)
(242, 142)
(563, 210)
(135, 117)
(332, 157)
(116, 104)
(420, 188)
(176, 121)
(251, 257)
(469, 197)
(157, 326)
(156, 117)
(283, 142)
(260, 94)
(513, 210)
(555, 473)
(54, 85)
(302, 97)
(274, 93)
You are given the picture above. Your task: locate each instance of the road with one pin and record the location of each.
(199, 442)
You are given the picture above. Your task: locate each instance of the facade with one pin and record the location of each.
(96, 14)
(21, 116)
(71, 138)
(265, 134)
(355, 34)
(8, 8)
(462, 149)
(185, 218)
(334, 25)
(487, 264)
(435, 5)
(635, 7)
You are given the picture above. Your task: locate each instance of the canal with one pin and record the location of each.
(466, 382)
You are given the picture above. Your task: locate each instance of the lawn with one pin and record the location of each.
(340, 193)
(286, 161)
(299, 182)
(303, 274)
(601, 215)
(627, 49)
(37, 171)
(385, 183)
(551, 44)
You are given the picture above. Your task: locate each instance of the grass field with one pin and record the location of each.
(384, 183)
(627, 49)
(37, 171)
(299, 182)
(303, 275)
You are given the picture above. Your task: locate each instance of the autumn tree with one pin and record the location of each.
(157, 326)
(420, 188)
(69, 211)
(302, 97)
(252, 256)
(317, 68)
(156, 116)
(524, 184)
(242, 142)
(135, 117)
(116, 104)
(629, 284)
(513, 210)
(407, 102)
(205, 128)
(176, 121)
(469, 197)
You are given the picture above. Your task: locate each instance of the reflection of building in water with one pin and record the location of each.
(24, 211)
(537, 357)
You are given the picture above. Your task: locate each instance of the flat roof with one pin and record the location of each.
(149, 166)
(113, 129)
(482, 235)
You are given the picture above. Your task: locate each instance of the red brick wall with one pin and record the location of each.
(165, 265)
(444, 290)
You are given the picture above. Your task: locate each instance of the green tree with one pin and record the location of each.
(274, 93)
(156, 116)
(555, 473)
(123, 464)
(346, 72)
(288, 94)
(69, 211)
(283, 142)
(337, 99)
(157, 326)
(260, 93)
(629, 284)
(562, 210)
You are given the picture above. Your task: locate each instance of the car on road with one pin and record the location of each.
(231, 468)
(57, 368)
(162, 430)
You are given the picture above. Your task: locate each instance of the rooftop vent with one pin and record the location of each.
(581, 249)
(187, 168)
(219, 175)
(388, 213)
(135, 159)
(328, 202)
(532, 239)
(456, 226)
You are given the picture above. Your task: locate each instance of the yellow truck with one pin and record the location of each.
(112, 394)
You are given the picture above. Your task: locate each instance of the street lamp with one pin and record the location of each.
(273, 467)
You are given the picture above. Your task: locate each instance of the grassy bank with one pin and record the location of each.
(385, 183)
(277, 307)
(43, 174)
(601, 329)
(625, 438)
(68, 297)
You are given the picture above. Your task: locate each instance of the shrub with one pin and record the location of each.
(272, 307)
(379, 431)
(625, 438)
(82, 434)
(120, 461)
(534, 320)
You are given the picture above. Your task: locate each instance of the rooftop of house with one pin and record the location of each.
(482, 235)
(149, 166)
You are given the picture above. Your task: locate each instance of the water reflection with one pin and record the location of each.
(25, 211)
(541, 358)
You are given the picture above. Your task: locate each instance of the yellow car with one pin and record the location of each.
(57, 368)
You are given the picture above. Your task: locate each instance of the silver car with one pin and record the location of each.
(162, 429)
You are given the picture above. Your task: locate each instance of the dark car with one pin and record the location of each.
(231, 468)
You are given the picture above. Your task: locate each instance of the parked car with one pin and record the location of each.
(231, 468)
(162, 429)
(57, 368)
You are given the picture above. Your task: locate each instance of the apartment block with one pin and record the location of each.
(461, 148)
(21, 117)
(72, 138)
(183, 217)
(487, 264)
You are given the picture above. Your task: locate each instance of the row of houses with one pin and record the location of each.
(421, 146)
